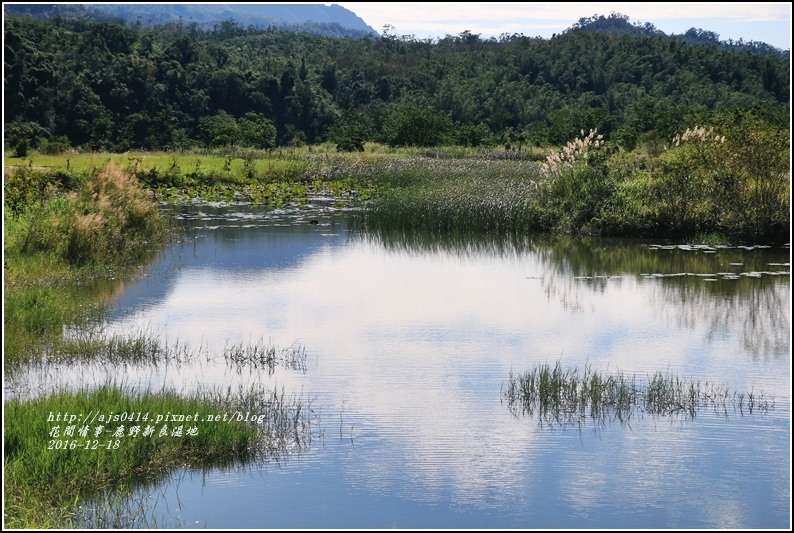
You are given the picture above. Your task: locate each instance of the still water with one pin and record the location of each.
(409, 343)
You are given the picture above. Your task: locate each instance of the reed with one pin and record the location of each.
(447, 196)
(568, 397)
(143, 348)
(147, 349)
(256, 355)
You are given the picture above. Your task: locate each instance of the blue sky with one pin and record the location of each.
(766, 22)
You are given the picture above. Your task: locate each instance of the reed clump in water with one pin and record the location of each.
(256, 355)
(561, 397)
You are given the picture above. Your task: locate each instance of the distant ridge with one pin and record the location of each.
(334, 20)
(619, 24)
(315, 18)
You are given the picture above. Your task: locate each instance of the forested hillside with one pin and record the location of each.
(333, 20)
(116, 86)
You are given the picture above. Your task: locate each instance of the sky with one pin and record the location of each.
(765, 22)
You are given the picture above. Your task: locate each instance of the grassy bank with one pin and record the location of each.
(51, 464)
(62, 239)
(67, 236)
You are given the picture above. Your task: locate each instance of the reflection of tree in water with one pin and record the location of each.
(727, 289)
(560, 289)
(767, 326)
(755, 310)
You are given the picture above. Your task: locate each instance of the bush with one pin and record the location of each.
(683, 188)
(737, 183)
(54, 146)
(755, 186)
(577, 186)
(474, 135)
(349, 132)
(22, 149)
(416, 126)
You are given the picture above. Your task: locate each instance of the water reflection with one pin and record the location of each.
(727, 288)
(411, 340)
(755, 312)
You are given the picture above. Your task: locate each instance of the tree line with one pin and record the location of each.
(73, 82)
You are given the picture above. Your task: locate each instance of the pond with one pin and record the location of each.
(408, 344)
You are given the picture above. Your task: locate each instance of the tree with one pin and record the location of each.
(147, 86)
(257, 130)
(220, 129)
(349, 132)
(415, 126)
(474, 135)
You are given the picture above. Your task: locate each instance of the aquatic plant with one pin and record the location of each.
(566, 397)
(255, 355)
(448, 196)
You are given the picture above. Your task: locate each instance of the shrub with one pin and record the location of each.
(684, 180)
(418, 127)
(22, 149)
(755, 188)
(349, 132)
(737, 183)
(54, 146)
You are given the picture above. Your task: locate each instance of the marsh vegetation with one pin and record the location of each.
(560, 397)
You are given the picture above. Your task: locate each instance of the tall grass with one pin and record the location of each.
(109, 215)
(441, 195)
(566, 397)
(58, 239)
(103, 440)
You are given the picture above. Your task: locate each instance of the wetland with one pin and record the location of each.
(400, 350)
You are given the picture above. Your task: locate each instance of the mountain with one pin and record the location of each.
(618, 24)
(314, 18)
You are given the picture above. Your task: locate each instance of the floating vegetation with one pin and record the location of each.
(564, 398)
(720, 262)
(718, 275)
